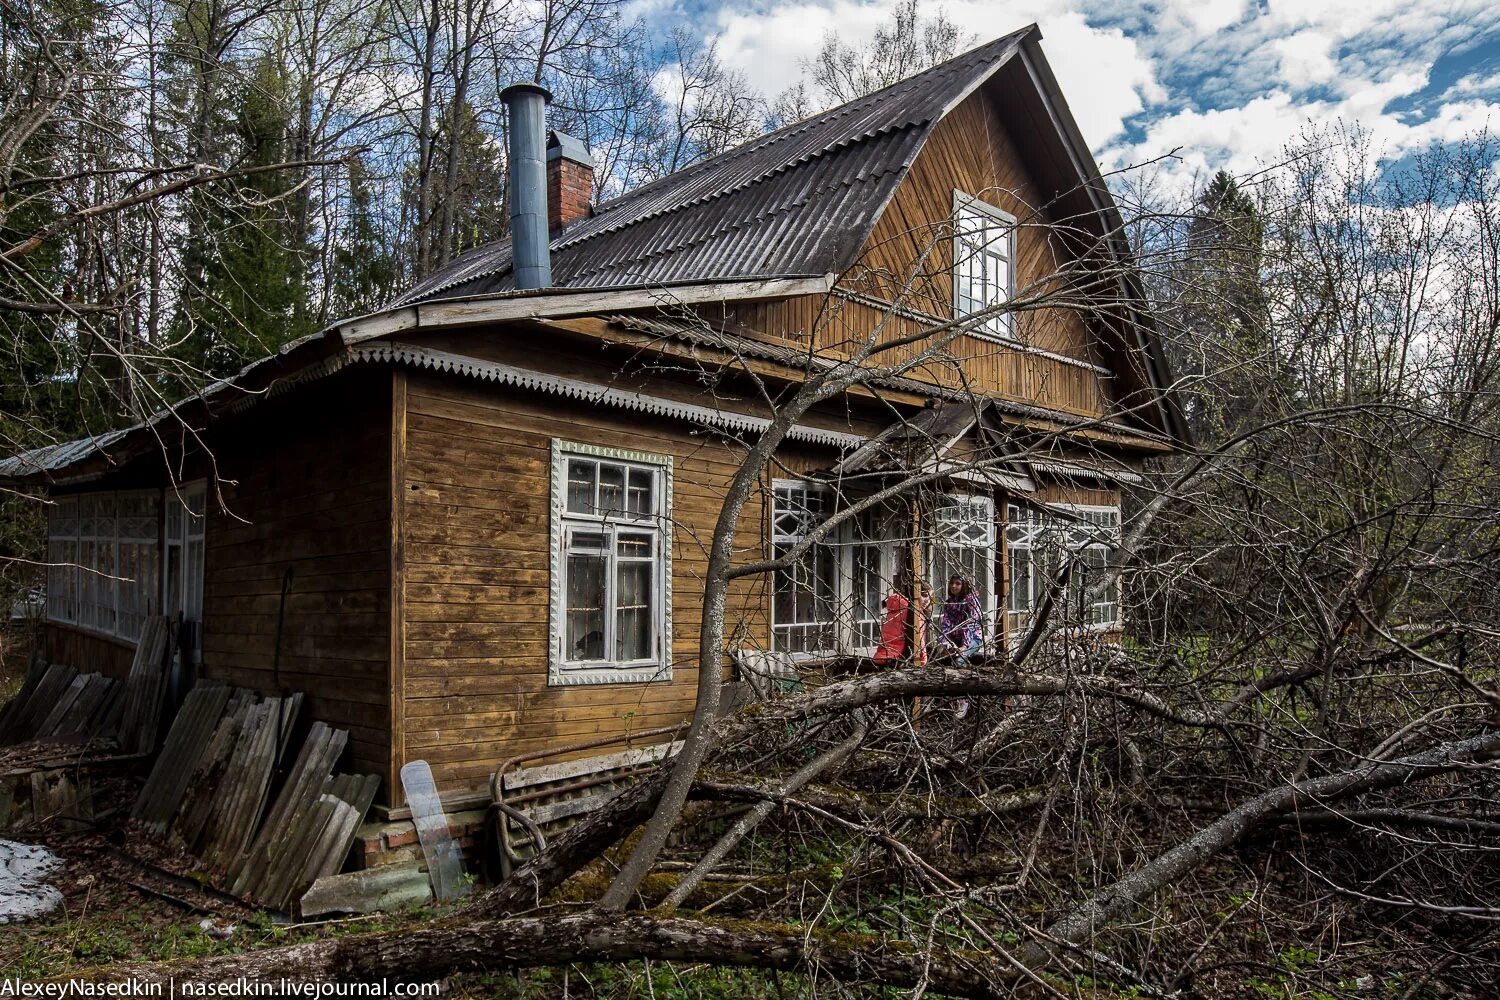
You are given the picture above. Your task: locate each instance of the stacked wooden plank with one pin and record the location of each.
(60, 703)
(312, 826)
(26, 712)
(13, 709)
(210, 789)
(145, 686)
(164, 789)
(66, 705)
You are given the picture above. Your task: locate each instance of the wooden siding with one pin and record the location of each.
(475, 576)
(910, 248)
(307, 487)
(1074, 493)
(88, 652)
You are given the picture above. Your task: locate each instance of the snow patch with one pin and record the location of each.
(23, 894)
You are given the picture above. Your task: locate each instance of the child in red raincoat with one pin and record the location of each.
(892, 648)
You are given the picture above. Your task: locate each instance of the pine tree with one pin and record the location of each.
(245, 286)
(1224, 311)
(51, 383)
(475, 197)
(363, 274)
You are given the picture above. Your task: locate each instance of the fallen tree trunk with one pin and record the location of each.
(866, 806)
(427, 953)
(749, 821)
(568, 854)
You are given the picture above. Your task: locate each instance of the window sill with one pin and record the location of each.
(1008, 339)
(1103, 629)
(650, 673)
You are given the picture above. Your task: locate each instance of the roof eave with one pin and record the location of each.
(1040, 71)
(564, 303)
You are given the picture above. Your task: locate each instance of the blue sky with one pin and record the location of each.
(1224, 83)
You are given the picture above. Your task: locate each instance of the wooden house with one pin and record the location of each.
(474, 524)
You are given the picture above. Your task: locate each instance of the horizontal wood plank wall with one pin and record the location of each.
(911, 248)
(88, 652)
(308, 487)
(1074, 493)
(476, 534)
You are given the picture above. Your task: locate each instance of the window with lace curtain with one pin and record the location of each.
(611, 588)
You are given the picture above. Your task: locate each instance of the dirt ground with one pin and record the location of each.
(126, 898)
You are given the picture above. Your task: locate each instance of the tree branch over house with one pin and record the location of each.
(1046, 587)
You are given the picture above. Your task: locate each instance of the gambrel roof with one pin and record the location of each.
(797, 202)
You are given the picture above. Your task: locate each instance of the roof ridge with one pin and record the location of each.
(811, 121)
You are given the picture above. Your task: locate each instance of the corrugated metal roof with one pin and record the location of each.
(243, 388)
(796, 202)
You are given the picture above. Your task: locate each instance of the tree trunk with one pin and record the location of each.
(427, 953)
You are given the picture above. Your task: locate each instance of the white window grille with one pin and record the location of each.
(1037, 543)
(963, 544)
(101, 550)
(873, 558)
(611, 578)
(831, 598)
(804, 607)
(983, 262)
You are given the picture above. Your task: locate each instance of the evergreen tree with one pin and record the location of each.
(50, 379)
(475, 194)
(363, 275)
(1225, 345)
(245, 287)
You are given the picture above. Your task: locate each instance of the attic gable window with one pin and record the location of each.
(611, 565)
(983, 256)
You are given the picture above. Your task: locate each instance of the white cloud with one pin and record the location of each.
(1224, 83)
(1106, 76)
(1305, 61)
(1475, 83)
(1204, 17)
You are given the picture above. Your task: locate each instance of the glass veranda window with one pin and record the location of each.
(983, 255)
(1038, 543)
(612, 561)
(963, 544)
(804, 615)
(102, 555)
(872, 570)
(183, 556)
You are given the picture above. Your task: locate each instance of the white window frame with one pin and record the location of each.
(989, 545)
(88, 593)
(564, 524)
(844, 629)
(63, 592)
(1024, 533)
(189, 530)
(781, 630)
(998, 327)
(888, 557)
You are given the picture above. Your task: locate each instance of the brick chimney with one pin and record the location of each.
(570, 180)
